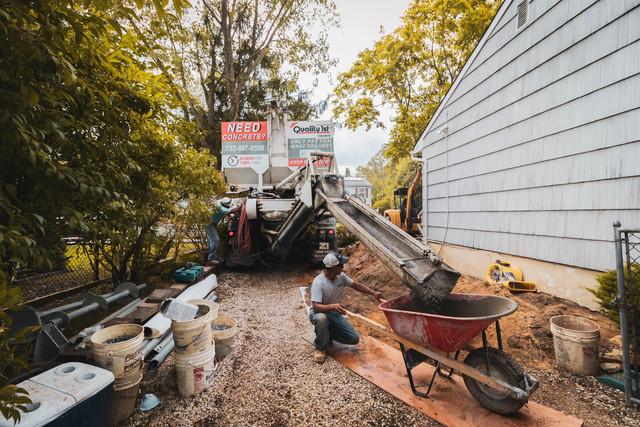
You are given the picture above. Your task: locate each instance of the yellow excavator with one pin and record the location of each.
(407, 202)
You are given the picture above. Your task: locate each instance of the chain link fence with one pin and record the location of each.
(627, 243)
(80, 268)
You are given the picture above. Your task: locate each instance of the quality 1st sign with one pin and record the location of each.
(307, 136)
(244, 145)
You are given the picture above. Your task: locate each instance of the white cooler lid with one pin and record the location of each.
(59, 389)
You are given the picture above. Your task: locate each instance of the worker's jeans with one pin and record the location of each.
(214, 241)
(332, 326)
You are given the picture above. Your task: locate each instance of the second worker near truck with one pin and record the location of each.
(327, 315)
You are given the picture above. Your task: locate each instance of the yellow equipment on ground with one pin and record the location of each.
(502, 273)
(407, 205)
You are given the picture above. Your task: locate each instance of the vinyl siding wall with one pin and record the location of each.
(542, 149)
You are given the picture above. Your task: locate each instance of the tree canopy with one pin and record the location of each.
(110, 116)
(411, 68)
(230, 59)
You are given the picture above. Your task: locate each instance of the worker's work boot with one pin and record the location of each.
(319, 356)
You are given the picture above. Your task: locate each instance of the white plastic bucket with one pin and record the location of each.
(224, 335)
(123, 358)
(195, 371)
(213, 307)
(576, 342)
(193, 336)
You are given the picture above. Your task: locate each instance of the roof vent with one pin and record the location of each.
(523, 13)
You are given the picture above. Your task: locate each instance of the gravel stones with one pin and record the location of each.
(270, 378)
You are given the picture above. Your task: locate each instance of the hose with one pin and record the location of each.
(244, 232)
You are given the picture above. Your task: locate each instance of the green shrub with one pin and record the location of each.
(12, 398)
(607, 290)
(344, 237)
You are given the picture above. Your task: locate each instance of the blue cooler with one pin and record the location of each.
(72, 394)
(188, 274)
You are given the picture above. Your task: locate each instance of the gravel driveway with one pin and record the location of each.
(270, 378)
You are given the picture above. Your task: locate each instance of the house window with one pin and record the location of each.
(523, 13)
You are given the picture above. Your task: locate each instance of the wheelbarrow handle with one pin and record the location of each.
(380, 300)
(366, 320)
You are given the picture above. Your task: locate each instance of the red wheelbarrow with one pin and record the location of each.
(492, 376)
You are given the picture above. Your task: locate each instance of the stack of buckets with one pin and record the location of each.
(117, 348)
(195, 351)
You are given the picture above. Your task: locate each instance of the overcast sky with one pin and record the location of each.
(361, 21)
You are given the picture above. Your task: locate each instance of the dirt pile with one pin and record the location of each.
(526, 332)
(526, 335)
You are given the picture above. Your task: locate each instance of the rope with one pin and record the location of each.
(244, 232)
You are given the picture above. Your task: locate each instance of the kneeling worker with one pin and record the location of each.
(327, 313)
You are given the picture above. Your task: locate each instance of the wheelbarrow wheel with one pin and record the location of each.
(502, 367)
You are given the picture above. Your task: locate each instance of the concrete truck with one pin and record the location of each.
(263, 164)
(286, 174)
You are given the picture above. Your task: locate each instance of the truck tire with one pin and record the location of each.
(503, 367)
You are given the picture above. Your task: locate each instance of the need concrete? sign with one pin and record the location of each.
(306, 136)
(244, 145)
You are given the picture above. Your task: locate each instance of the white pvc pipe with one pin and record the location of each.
(197, 291)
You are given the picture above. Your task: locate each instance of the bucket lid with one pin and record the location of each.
(149, 401)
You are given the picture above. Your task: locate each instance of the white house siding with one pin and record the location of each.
(542, 149)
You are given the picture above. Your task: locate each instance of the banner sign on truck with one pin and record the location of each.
(303, 137)
(244, 145)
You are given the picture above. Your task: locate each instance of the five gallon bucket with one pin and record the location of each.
(123, 402)
(213, 307)
(224, 334)
(576, 342)
(193, 336)
(195, 371)
(117, 348)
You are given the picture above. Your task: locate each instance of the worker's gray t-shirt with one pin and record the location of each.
(325, 291)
